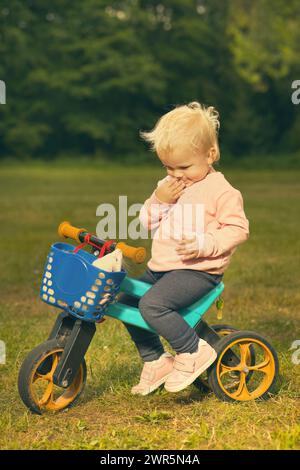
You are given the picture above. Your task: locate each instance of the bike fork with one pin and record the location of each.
(77, 336)
(207, 333)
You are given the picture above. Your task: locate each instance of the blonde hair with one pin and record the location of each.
(192, 123)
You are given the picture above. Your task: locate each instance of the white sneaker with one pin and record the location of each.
(154, 374)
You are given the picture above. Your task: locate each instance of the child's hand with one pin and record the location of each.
(188, 183)
(170, 191)
(189, 247)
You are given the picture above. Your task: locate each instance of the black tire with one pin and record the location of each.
(34, 363)
(232, 340)
(221, 328)
(201, 383)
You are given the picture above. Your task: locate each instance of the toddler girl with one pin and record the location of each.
(190, 249)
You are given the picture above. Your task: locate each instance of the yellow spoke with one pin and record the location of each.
(242, 392)
(226, 369)
(245, 353)
(48, 395)
(54, 365)
(265, 367)
(49, 376)
(38, 376)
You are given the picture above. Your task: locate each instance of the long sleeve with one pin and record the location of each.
(234, 228)
(153, 211)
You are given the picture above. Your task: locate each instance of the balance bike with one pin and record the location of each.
(53, 375)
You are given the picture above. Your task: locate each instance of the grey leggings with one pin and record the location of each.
(171, 291)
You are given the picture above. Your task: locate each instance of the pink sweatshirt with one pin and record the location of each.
(219, 219)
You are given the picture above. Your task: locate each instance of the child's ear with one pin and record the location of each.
(212, 153)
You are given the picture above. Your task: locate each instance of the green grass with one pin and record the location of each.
(262, 294)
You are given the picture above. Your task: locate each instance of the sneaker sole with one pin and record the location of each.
(153, 387)
(193, 377)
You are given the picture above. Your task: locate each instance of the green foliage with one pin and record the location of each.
(265, 39)
(85, 77)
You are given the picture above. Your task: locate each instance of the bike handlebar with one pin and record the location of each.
(67, 230)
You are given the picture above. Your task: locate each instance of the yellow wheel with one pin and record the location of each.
(246, 368)
(36, 386)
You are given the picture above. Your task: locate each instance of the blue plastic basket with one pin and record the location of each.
(72, 283)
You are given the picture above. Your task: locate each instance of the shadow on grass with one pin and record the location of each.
(117, 381)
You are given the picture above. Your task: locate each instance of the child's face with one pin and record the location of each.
(184, 165)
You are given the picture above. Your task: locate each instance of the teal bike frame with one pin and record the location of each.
(79, 333)
(128, 314)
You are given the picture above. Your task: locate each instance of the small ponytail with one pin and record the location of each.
(213, 116)
(194, 105)
(210, 113)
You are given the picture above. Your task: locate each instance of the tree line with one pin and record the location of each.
(84, 77)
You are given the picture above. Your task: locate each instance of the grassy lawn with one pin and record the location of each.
(262, 294)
